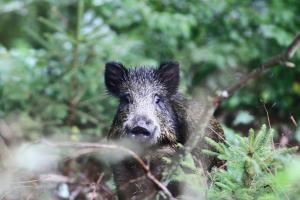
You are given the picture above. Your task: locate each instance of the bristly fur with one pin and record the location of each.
(140, 83)
(137, 88)
(144, 80)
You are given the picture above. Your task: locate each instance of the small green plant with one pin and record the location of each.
(251, 164)
(188, 175)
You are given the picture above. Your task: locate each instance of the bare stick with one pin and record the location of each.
(293, 120)
(281, 58)
(268, 117)
(98, 146)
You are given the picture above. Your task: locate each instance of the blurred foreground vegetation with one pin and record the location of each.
(52, 56)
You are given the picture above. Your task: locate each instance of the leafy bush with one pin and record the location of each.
(252, 166)
(52, 60)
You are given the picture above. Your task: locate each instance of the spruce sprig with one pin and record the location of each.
(251, 164)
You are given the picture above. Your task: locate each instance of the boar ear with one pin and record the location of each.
(115, 73)
(168, 73)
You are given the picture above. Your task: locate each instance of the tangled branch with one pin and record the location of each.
(280, 59)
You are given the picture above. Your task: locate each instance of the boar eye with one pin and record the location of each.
(157, 99)
(125, 98)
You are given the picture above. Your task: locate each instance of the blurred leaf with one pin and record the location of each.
(243, 117)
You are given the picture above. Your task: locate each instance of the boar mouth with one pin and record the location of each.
(141, 135)
(140, 131)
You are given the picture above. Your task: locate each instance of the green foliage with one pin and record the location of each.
(53, 52)
(287, 182)
(253, 167)
(184, 171)
(243, 117)
(52, 56)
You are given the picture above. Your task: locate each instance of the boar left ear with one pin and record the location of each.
(115, 74)
(168, 73)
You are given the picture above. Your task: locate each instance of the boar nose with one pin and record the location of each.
(142, 127)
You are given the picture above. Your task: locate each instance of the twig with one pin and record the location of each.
(268, 118)
(131, 181)
(281, 58)
(293, 120)
(95, 185)
(55, 178)
(269, 122)
(100, 179)
(75, 193)
(98, 146)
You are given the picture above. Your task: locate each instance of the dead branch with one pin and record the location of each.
(98, 146)
(55, 178)
(267, 113)
(280, 59)
(293, 120)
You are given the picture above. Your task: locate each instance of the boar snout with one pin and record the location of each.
(142, 128)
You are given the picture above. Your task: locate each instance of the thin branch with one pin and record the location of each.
(293, 120)
(98, 146)
(281, 58)
(269, 122)
(131, 181)
(268, 117)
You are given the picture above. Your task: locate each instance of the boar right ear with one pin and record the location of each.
(168, 73)
(115, 74)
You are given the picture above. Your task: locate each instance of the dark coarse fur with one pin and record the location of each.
(150, 94)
